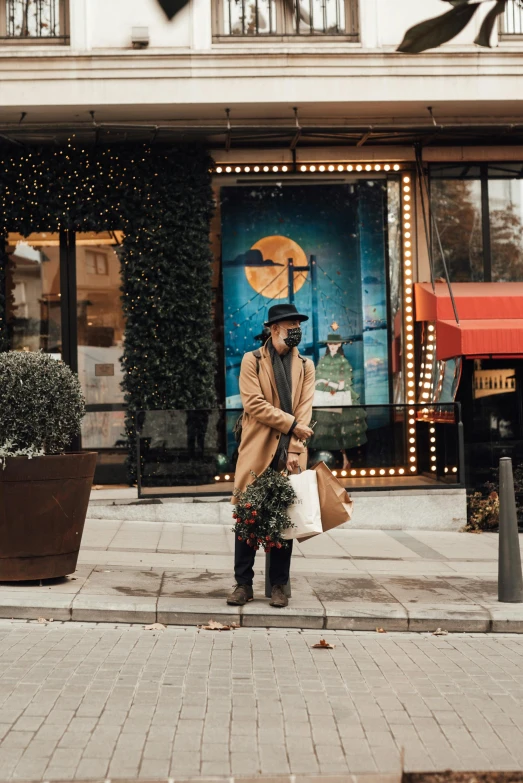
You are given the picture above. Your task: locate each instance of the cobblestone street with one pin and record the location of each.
(89, 701)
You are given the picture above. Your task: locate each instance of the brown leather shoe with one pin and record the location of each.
(240, 595)
(278, 597)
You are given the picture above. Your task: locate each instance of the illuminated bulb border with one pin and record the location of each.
(337, 168)
(351, 473)
(305, 168)
(429, 352)
(408, 318)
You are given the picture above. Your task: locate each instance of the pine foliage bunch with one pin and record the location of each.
(261, 512)
(41, 405)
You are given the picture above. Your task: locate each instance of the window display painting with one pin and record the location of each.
(321, 247)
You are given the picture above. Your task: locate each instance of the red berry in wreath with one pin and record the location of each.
(247, 505)
(267, 538)
(254, 513)
(278, 545)
(240, 538)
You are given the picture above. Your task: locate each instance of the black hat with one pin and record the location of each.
(284, 312)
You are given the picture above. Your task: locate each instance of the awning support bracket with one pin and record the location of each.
(297, 135)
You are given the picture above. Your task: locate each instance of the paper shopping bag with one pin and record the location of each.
(335, 502)
(304, 512)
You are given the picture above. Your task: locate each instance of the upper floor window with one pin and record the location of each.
(511, 20)
(259, 18)
(42, 21)
(478, 210)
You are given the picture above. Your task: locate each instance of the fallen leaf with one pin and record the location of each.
(380, 630)
(440, 632)
(213, 625)
(323, 645)
(155, 627)
(41, 620)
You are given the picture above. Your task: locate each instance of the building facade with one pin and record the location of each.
(380, 192)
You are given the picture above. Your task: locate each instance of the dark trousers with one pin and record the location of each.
(280, 563)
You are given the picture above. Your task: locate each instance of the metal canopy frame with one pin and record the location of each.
(287, 135)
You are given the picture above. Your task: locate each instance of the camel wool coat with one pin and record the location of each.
(263, 419)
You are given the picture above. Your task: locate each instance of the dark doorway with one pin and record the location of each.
(492, 404)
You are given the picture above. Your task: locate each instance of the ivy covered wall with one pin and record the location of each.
(162, 199)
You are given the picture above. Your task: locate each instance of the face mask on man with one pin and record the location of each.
(293, 337)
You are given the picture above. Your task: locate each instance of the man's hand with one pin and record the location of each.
(293, 462)
(302, 432)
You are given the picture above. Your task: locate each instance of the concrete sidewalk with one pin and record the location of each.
(143, 572)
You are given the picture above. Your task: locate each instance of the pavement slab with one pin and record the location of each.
(132, 570)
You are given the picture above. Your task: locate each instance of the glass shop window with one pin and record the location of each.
(478, 214)
(33, 293)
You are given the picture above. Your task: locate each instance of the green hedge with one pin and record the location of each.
(162, 199)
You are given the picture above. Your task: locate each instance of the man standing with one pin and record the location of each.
(277, 389)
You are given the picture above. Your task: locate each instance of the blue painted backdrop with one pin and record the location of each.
(343, 227)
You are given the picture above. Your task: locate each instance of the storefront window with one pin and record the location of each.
(478, 213)
(33, 293)
(456, 207)
(100, 325)
(492, 403)
(506, 229)
(321, 247)
(324, 248)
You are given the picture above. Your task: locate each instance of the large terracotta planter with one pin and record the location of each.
(43, 504)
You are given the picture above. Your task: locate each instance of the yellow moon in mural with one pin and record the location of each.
(272, 280)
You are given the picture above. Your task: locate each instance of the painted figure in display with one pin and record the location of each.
(339, 425)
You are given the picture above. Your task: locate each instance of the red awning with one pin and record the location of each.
(490, 318)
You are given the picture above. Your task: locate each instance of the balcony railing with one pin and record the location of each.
(34, 20)
(287, 17)
(512, 19)
(193, 452)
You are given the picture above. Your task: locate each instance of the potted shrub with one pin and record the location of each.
(44, 492)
